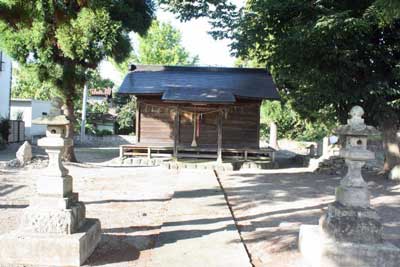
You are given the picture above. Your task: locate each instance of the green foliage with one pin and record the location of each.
(90, 36)
(221, 13)
(126, 116)
(290, 124)
(28, 86)
(103, 132)
(60, 40)
(390, 9)
(161, 45)
(328, 55)
(100, 108)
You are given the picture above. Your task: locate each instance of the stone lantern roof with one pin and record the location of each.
(355, 125)
(59, 120)
(55, 118)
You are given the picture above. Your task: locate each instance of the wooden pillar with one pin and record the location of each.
(176, 132)
(219, 140)
(137, 127)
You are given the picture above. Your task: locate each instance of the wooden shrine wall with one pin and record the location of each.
(241, 124)
(156, 123)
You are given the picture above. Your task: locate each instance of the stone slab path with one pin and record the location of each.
(199, 229)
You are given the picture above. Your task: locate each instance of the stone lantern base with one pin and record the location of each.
(19, 248)
(321, 251)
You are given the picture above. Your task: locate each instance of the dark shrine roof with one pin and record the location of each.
(199, 84)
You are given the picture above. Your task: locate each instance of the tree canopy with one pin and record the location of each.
(63, 39)
(328, 56)
(161, 45)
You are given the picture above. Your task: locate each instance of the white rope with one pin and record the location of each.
(157, 108)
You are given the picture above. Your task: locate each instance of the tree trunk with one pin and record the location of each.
(69, 154)
(390, 144)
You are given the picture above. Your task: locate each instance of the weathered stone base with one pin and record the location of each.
(320, 251)
(351, 224)
(37, 219)
(50, 250)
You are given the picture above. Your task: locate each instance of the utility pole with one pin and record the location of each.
(84, 101)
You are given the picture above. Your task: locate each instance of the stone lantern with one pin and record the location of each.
(53, 229)
(350, 233)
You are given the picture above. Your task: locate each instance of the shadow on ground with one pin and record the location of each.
(270, 207)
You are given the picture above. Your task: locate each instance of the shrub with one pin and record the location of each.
(104, 132)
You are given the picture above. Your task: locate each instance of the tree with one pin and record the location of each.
(161, 45)
(62, 39)
(328, 56)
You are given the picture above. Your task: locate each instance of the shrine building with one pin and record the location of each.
(198, 109)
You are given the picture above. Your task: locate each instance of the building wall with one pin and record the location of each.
(24, 107)
(38, 109)
(5, 86)
(241, 124)
(31, 110)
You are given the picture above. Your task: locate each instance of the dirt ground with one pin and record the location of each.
(131, 203)
(269, 207)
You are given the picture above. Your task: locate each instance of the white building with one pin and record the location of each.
(5, 85)
(28, 110)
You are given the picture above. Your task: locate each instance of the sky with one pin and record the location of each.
(195, 39)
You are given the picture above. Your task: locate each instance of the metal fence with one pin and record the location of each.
(17, 131)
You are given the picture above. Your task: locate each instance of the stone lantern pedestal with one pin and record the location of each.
(53, 229)
(350, 233)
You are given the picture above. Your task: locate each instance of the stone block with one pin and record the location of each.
(53, 221)
(54, 186)
(54, 202)
(50, 250)
(395, 173)
(353, 196)
(359, 225)
(320, 251)
(24, 153)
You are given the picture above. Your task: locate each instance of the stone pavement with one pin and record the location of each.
(199, 229)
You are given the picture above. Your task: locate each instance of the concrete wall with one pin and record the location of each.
(105, 126)
(31, 109)
(105, 141)
(38, 108)
(5, 86)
